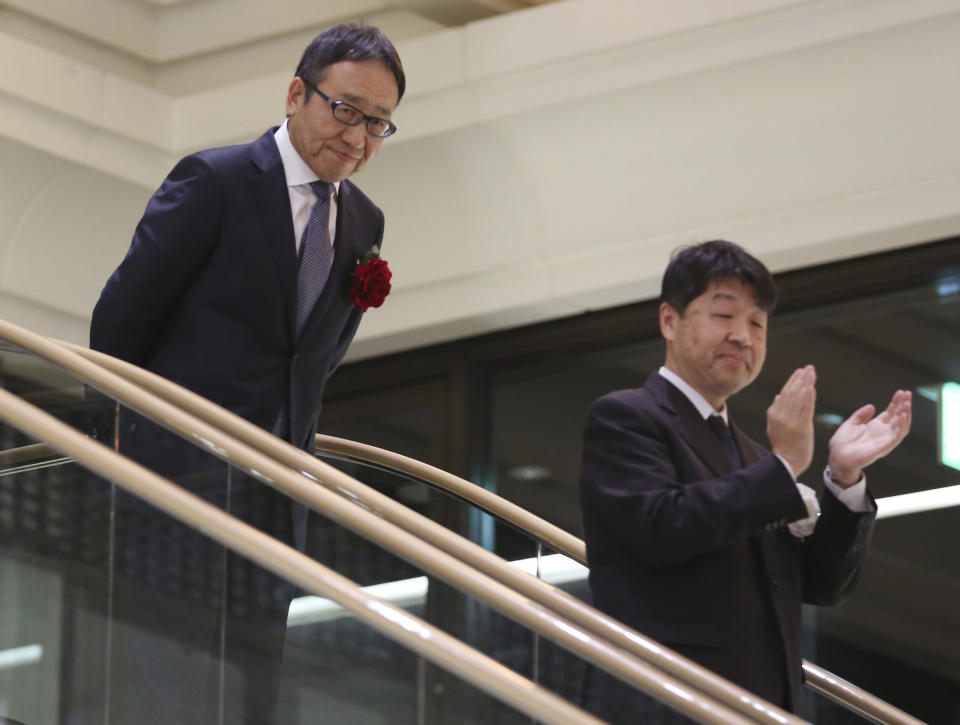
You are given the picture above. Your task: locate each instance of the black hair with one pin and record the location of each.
(692, 268)
(349, 42)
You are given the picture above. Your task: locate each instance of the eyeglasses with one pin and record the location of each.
(353, 116)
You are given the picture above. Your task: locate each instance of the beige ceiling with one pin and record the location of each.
(832, 123)
(159, 32)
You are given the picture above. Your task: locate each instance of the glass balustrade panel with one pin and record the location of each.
(113, 612)
(534, 656)
(55, 554)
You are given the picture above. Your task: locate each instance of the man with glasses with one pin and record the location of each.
(243, 284)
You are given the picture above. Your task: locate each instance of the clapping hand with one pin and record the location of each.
(864, 437)
(790, 419)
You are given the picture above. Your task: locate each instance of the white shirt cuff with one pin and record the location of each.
(854, 497)
(804, 527)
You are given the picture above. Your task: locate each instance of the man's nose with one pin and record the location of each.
(356, 136)
(739, 332)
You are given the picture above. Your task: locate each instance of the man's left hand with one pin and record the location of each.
(864, 438)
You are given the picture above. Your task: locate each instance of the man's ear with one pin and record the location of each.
(295, 94)
(668, 321)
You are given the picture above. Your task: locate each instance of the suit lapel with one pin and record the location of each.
(700, 438)
(269, 188)
(747, 452)
(690, 425)
(765, 540)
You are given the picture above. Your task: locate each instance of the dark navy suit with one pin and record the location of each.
(206, 298)
(206, 293)
(697, 555)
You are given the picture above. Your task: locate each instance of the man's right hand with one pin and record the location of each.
(790, 419)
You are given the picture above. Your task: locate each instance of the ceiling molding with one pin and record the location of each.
(545, 57)
(174, 31)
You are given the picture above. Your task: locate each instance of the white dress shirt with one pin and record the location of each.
(302, 198)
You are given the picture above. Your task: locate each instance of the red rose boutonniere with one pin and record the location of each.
(371, 281)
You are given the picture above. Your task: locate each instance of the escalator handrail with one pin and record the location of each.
(549, 534)
(643, 651)
(339, 507)
(816, 678)
(852, 697)
(25, 454)
(426, 640)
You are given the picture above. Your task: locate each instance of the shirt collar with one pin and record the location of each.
(699, 402)
(295, 169)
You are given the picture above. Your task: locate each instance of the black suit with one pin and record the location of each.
(206, 297)
(697, 555)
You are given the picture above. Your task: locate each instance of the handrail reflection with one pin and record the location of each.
(555, 569)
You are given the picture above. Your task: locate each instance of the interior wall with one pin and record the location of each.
(548, 161)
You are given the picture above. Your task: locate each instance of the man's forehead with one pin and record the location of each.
(355, 81)
(731, 290)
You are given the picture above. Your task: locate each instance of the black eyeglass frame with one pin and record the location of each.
(334, 105)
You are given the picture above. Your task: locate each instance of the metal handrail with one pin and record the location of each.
(654, 658)
(553, 536)
(847, 695)
(424, 639)
(816, 678)
(854, 698)
(25, 454)
(431, 559)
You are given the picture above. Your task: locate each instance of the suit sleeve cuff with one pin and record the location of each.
(787, 466)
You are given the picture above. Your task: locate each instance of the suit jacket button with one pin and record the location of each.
(775, 585)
